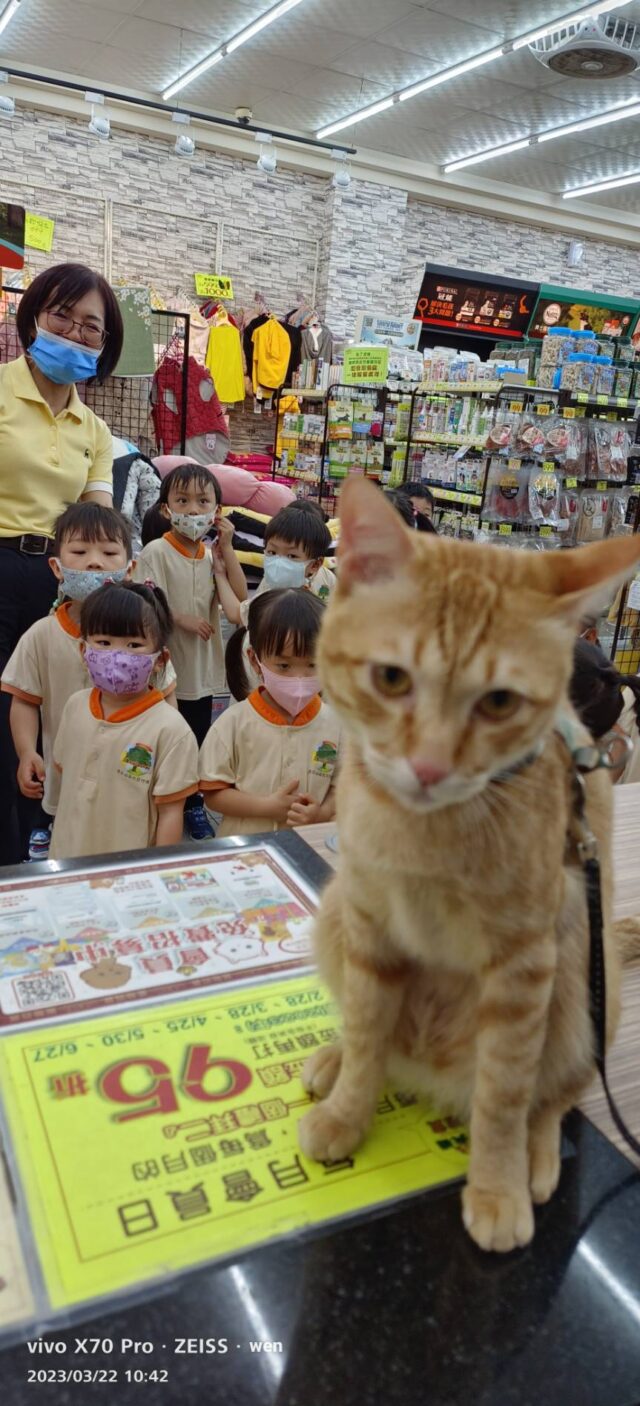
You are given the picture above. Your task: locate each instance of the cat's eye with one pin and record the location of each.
(498, 705)
(391, 681)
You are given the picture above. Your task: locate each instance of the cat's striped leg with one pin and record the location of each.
(512, 1025)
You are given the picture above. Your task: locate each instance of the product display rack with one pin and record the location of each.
(459, 483)
(298, 447)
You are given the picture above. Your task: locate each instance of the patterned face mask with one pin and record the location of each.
(119, 670)
(192, 525)
(77, 585)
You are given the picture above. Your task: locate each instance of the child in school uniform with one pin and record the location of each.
(269, 762)
(177, 560)
(126, 759)
(92, 545)
(296, 541)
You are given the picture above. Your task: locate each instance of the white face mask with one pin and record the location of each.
(193, 525)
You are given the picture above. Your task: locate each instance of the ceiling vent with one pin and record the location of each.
(602, 48)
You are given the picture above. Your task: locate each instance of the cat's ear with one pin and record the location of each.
(374, 542)
(585, 580)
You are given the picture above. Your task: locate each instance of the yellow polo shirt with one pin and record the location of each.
(46, 669)
(253, 747)
(47, 461)
(117, 771)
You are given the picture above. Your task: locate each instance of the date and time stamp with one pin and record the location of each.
(129, 1360)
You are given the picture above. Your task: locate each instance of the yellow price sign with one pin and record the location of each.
(569, 412)
(213, 285)
(602, 399)
(601, 485)
(516, 406)
(546, 532)
(622, 401)
(548, 466)
(582, 397)
(504, 529)
(514, 464)
(151, 1141)
(39, 232)
(543, 409)
(571, 483)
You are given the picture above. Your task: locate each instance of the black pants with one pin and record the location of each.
(197, 713)
(27, 591)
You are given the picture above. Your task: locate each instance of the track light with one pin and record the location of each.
(7, 106)
(99, 124)
(342, 174)
(267, 160)
(185, 145)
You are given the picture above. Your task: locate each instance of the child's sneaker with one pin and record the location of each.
(197, 824)
(39, 841)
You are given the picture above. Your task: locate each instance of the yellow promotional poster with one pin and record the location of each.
(364, 364)
(213, 285)
(156, 1140)
(39, 232)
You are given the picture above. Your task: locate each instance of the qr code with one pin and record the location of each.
(43, 989)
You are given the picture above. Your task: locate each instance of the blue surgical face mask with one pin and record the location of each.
(281, 572)
(77, 585)
(61, 360)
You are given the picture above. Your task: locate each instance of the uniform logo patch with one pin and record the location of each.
(324, 758)
(137, 762)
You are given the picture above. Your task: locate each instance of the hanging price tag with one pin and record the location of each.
(601, 486)
(569, 412)
(514, 464)
(571, 483)
(582, 397)
(516, 406)
(505, 529)
(543, 409)
(548, 466)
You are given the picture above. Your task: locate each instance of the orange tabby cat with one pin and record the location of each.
(454, 934)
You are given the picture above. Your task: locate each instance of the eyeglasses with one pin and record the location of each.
(92, 333)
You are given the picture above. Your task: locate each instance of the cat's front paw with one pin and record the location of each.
(498, 1220)
(325, 1138)
(321, 1070)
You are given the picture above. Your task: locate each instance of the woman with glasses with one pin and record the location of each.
(53, 452)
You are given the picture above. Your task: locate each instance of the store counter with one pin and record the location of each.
(395, 1307)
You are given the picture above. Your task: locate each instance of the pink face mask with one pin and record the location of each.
(292, 694)
(119, 670)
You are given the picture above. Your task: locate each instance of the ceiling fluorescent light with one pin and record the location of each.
(631, 108)
(230, 47)
(356, 117)
(486, 155)
(588, 13)
(601, 186)
(7, 15)
(260, 24)
(448, 73)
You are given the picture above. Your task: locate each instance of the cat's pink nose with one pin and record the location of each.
(427, 773)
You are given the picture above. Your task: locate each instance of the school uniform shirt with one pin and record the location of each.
(321, 585)
(117, 772)
(47, 460)
(190, 588)
(254, 748)
(46, 669)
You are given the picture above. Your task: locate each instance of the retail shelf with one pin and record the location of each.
(458, 388)
(453, 441)
(315, 394)
(456, 495)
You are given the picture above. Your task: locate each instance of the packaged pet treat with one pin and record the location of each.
(618, 511)
(605, 375)
(578, 373)
(569, 512)
(613, 444)
(592, 520)
(592, 453)
(558, 344)
(502, 435)
(530, 437)
(507, 494)
(624, 381)
(546, 376)
(544, 496)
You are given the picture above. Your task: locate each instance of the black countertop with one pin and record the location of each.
(401, 1310)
